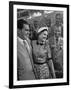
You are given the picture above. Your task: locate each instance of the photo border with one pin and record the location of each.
(11, 4)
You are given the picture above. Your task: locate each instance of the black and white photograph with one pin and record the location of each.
(39, 44)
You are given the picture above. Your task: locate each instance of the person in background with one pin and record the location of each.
(58, 54)
(48, 23)
(43, 64)
(55, 40)
(24, 52)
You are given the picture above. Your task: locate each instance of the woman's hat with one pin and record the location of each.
(42, 29)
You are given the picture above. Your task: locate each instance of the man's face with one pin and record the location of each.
(25, 30)
(58, 19)
(59, 32)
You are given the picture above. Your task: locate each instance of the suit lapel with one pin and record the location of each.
(30, 56)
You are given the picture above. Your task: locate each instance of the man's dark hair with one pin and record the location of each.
(20, 23)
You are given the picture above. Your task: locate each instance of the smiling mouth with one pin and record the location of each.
(44, 37)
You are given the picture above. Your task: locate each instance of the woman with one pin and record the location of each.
(42, 56)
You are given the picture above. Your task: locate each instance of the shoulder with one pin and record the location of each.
(19, 41)
(34, 44)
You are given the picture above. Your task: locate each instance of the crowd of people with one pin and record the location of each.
(40, 52)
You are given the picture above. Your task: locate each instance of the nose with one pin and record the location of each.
(28, 32)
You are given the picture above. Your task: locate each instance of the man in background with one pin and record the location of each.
(56, 48)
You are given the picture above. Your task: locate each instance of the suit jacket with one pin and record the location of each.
(24, 60)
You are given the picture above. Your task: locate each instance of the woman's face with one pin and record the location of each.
(43, 36)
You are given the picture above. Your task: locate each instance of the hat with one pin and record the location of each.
(42, 29)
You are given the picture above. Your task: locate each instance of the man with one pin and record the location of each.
(57, 51)
(24, 53)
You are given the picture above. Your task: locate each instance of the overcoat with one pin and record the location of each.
(24, 60)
